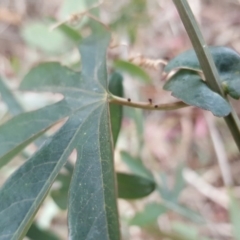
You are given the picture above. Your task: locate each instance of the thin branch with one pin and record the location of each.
(146, 105)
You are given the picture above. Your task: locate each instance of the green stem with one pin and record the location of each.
(146, 105)
(206, 62)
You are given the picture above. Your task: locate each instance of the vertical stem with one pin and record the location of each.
(206, 62)
(234, 126)
(220, 151)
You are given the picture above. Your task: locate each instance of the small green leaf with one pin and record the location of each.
(60, 196)
(132, 70)
(187, 231)
(132, 186)
(179, 183)
(129, 187)
(36, 233)
(164, 190)
(183, 211)
(231, 83)
(136, 115)
(38, 35)
(172, 194)
(191, 89)
(149, 215)
(226, 60)
(136, 165)
(70, 33)
(234, 210)
(116, 87)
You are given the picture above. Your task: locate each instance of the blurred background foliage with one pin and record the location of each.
(171, 152)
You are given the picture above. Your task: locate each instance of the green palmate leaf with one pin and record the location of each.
(149, 215)
(115, 87)
(133, 70)
(191, 89)
(136, 166)
(92, 199)
(13, 106)
(226, 60)
(116, 111)
(133, 186)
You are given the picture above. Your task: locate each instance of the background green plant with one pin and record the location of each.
(92, 208)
